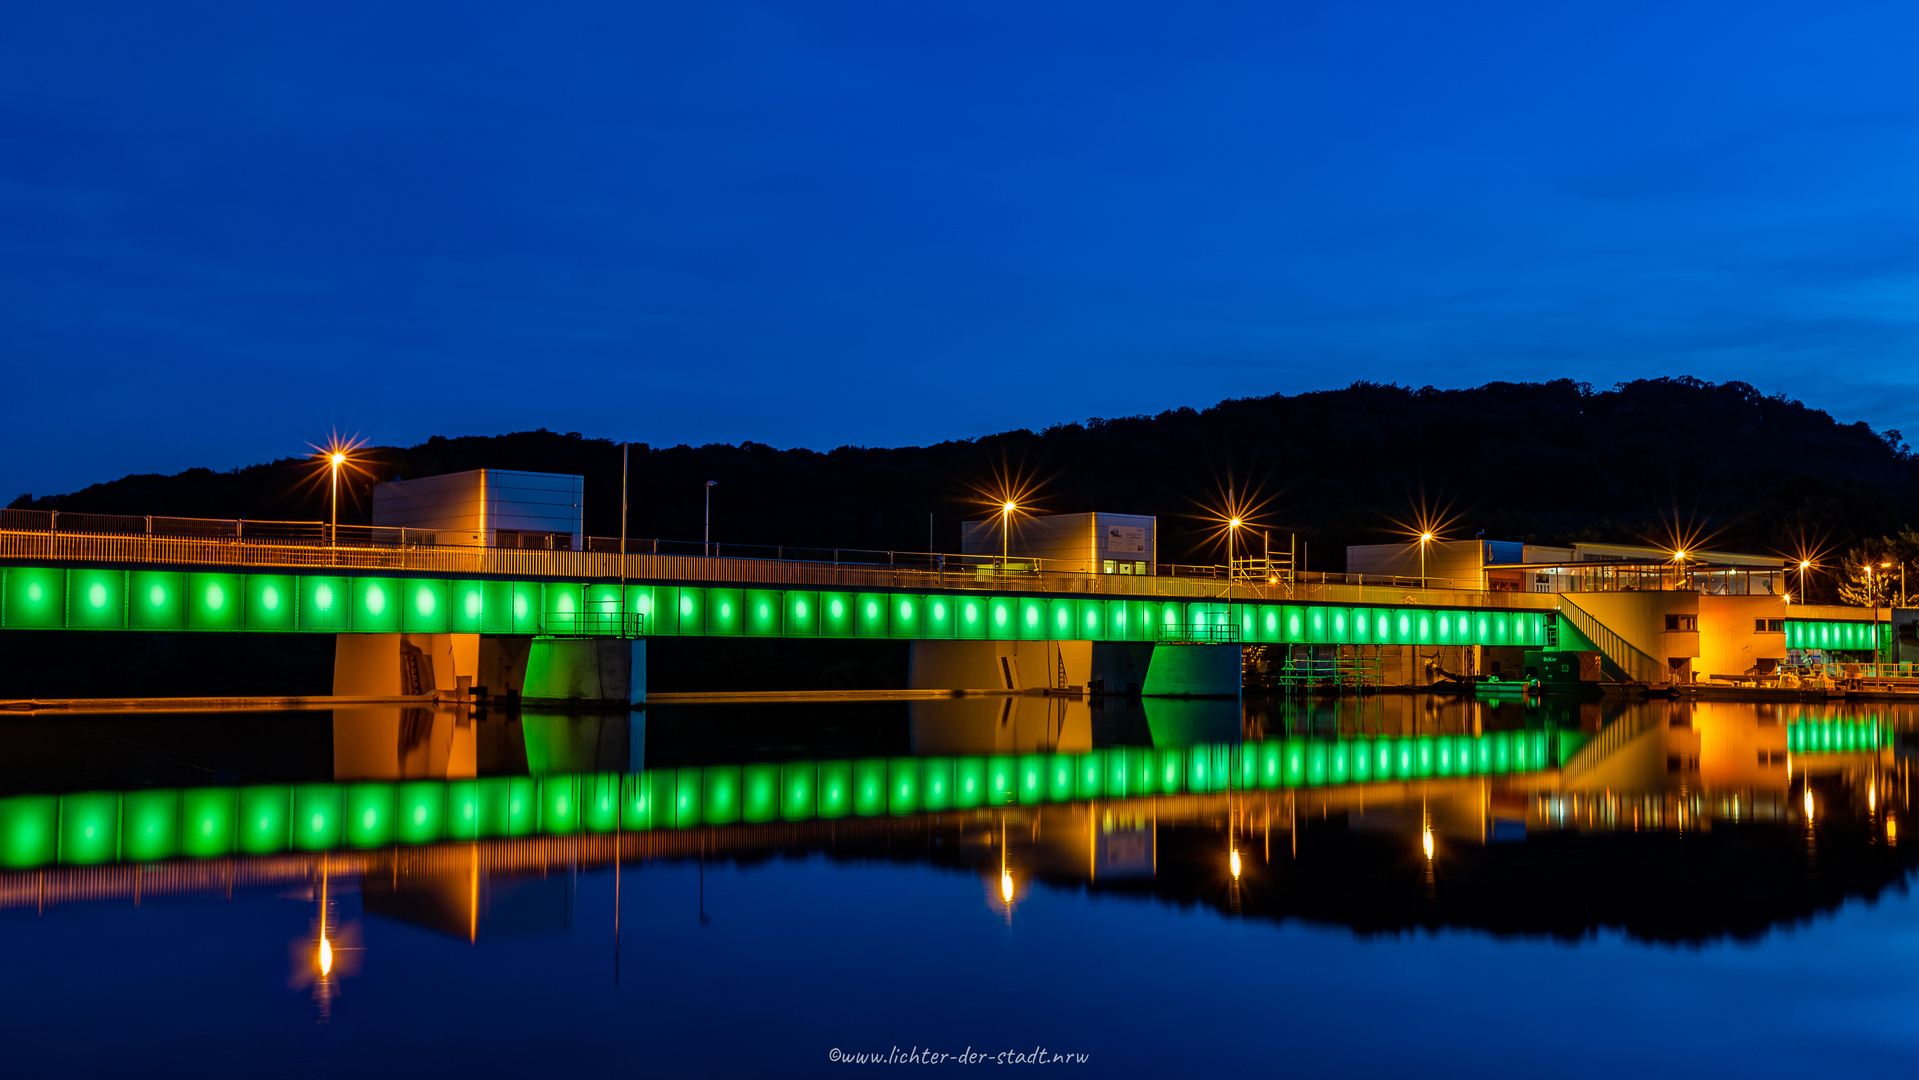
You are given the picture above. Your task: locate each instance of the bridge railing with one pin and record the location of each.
(39, 537)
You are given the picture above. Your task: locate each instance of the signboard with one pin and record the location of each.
(1126, 539)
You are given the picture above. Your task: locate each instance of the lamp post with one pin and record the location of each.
(334, 461)
(1804, 565)
(1005, 525)
(706, 540)
(1875, 615)
(1424, 539)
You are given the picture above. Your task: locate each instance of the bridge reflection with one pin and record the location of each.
(1670, 821)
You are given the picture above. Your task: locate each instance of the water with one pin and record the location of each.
(1613, 889)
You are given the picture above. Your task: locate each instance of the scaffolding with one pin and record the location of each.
(1269, 567)
(1294, 670)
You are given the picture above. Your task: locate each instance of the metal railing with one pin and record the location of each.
(43, 537)
(1634, 663)
(1198, 634)
(624, 624)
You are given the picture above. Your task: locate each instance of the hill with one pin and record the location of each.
(1547, 462)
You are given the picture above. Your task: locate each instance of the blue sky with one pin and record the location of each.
(227, 229)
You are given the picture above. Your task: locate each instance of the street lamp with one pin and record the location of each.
(1804, 565)
(1424, 539)
(334, 461)
(706, 541)
(1005, 543)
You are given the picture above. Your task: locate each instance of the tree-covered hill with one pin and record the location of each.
(1528, 461)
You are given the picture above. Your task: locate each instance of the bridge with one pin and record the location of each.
(173, 829)
(965, 615)
(146, 825)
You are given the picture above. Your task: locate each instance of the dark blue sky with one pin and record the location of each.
(225, 229)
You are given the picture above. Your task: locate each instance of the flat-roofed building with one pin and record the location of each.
(1095, 543)
(487, 508)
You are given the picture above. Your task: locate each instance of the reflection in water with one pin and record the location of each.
(1672, 820)
(396, 743)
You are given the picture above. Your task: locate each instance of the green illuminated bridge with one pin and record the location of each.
(206, 822)
(53, 579)
(77, 580)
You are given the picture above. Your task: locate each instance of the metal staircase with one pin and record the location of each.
(1632, 664)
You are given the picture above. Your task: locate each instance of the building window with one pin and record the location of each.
(1126, 568)
(1769, 626)
(1106, 567)
(1682, 622)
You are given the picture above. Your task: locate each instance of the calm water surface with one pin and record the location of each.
(1648, 889)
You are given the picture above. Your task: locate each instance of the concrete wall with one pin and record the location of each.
(585, 671)
(396, 742)
(1001, 725)
(366, 665)
(376, 665)
(1728, 643)
(1193, 671)
(998, 665)
(1640, 618)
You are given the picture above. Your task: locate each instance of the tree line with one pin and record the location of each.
(1671, 460)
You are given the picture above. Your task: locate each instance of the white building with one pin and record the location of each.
(1093, 543)
(487, 507)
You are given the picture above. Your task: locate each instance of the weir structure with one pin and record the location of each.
(570, 626)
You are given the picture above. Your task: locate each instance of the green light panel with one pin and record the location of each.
(759, 793)
(265, 820)
(940, 617)
(97, 599)
(640, 600)
(686, 798)
(763, 610)
(802, 613)
(906, 615)
(562, 612)
(35, 598)
(797, 791)
(323, 604)
(525, 606)
(29, 831)
(869, 787)
(315, 821)
(836, 614)
(210, 821)
(969, 782)
(973, 618)
(149, 825)
(835, 788)
(427, 607)
(720, 797)
(271, 602)
(870, 615)
(370, 810)
(724, 617)
(214, 602)
(156, 600)
(89, 828)
(1031, 613)
(374, 607)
